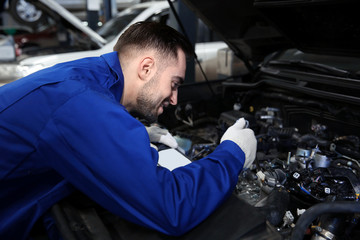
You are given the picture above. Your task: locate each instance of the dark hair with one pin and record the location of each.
(153, 35)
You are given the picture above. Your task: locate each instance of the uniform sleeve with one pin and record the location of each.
(103, 151)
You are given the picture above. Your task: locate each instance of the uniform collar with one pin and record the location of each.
(115, 84)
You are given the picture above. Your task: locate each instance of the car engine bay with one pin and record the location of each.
(307, 154)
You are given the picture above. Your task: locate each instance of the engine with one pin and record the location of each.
(295, 171)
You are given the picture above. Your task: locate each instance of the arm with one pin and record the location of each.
(104, 152)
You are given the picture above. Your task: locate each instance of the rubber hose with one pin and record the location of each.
(309, 215)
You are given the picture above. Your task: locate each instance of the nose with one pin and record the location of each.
(173, 97)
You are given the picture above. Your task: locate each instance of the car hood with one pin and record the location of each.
(52, 8)
(255, 28)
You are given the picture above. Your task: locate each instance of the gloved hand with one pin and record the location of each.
(159, 135)
(244, 138)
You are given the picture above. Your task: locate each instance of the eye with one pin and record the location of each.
(175, 86)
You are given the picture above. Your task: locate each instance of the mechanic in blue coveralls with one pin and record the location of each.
(69, 127)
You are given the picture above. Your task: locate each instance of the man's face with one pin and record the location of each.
(161, 90)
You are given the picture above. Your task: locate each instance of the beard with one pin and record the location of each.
(147, 104)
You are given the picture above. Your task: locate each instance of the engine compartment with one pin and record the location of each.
(307, 154)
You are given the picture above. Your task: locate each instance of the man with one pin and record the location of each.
(69, 127)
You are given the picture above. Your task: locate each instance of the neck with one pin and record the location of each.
(130, 92)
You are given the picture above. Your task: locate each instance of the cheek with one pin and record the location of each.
(164, 90)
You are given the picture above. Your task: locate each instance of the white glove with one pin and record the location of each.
(159, 135)
(244, 138)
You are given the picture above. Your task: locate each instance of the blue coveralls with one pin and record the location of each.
(63, 128)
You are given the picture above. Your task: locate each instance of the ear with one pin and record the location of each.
(146, 68)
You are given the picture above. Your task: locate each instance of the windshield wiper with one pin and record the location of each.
(319, 67)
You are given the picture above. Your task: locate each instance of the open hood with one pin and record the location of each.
(317, 26)
(255, 28)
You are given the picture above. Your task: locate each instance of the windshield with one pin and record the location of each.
(113, 27)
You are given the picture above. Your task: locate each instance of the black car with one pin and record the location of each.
(301, 95)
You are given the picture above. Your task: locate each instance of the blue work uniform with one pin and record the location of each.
(63, 128)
